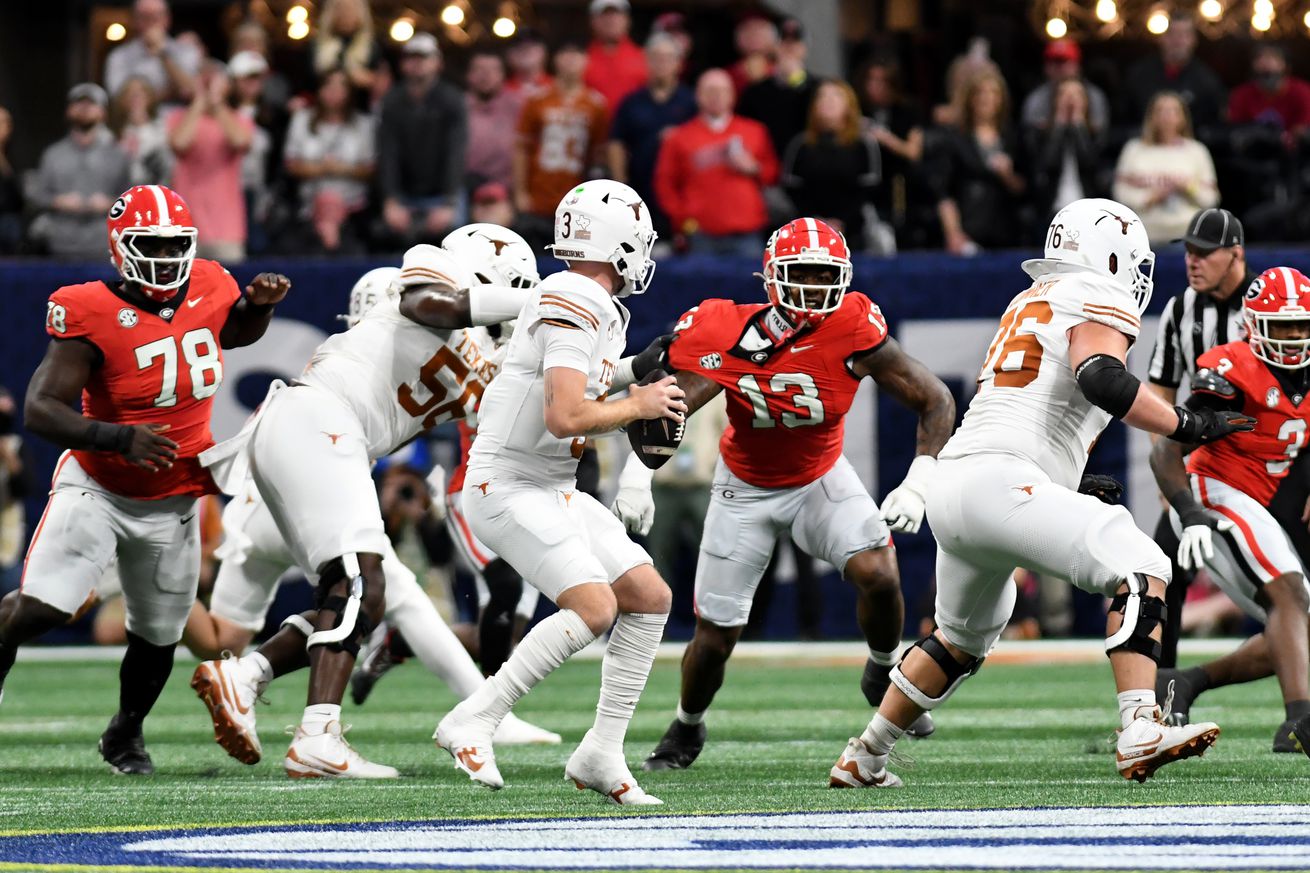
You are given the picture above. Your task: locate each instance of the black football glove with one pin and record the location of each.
(1207, 425)
(1104, 488)
(654, 357)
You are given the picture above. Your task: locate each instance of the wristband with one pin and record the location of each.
(105, 437)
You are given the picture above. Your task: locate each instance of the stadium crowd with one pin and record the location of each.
(370, 147)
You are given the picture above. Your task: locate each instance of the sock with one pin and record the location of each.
(317, 715)
(1136, 703)
(549, 644)
(881, 735)
(882, 659)
(1297, 709)
(1197, 678)
(434, 644)
(141, 678)
(260, 667)
(624, 671)
(691, 717)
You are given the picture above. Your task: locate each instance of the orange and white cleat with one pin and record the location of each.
(468, 740)
(859, 768)
(230, 689)
(327, 754)
(606, 773)
(1147, 744)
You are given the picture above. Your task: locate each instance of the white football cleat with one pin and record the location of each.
(1146, 745)
(328, 754)
(606, 773)
(859, 768)
(514, 731)
(468, 740)
(229, 690)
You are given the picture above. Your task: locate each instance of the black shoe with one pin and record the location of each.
(1301, 731)
(1285, 738)
(370, 669)
(679, 746)
(875, 682)
(125, 750)
(1184, 694)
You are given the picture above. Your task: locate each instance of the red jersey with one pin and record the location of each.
(1253, 462)
(154, 371)
(787, 403)
(466, 435)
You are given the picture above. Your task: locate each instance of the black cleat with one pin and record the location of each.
(678, 748)
(1301, 733)
(372, 667)
(1285, 738)
(125, 750)
(1183, 695)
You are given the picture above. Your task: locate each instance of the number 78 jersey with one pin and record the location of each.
(1028, 402)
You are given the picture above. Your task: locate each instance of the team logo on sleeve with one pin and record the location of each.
(127, 317)
(712, 361)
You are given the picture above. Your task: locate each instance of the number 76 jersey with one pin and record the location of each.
(1028, 403)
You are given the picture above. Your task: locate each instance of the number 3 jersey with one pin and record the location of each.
(1028, 403)
(158, 368)
(1232, 377)
(788, 398)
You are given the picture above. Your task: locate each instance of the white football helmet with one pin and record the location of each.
(497, 254)
(369, 290)
(1102, 236)
(606, 221)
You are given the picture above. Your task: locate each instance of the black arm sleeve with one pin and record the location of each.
(1107, 383)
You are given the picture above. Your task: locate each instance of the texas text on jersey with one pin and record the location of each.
(158, 366)
(788, 395)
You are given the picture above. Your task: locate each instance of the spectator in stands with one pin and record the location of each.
(170, 65)
(756, 38)
(645, 117)
(493, 112)
(78, 179)
(248, 70)
(1272, 97)
(491, 204)
(1176, 69)
(1065, 151)
(561, 138)
(711, 173)
(975, 61)
(1166, 175)
(135, 119)
(897, 127)
(527, 65)
(616, 67)
(209, 139)
(830, 170)
(331, 151)
(781, 101)
(345, 39)
(674, 25)
(11, 194)
(979, 187)
(250, 36)
(1063, 61)
(422, 137)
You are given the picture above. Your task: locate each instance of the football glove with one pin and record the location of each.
(635, 505)
(1204, 425)
(1196, 544)
(1104, 488)
(903, 508)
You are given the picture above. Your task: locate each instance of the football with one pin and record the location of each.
(655, 440)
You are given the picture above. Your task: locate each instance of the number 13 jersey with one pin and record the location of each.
(1028, 402)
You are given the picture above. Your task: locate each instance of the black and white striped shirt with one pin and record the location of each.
(1192, 324)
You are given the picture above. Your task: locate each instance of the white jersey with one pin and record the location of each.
(401, 378)
(512, 434)
(1028, 402)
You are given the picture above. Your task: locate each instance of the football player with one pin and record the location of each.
(310, 449)
(1219, 498)
(791, 368)
(144, 355)
(521, 496)
(1003, 494)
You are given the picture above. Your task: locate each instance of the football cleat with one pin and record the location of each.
(327, 754)
(229, 690)
(1286, 739)
(1301, 730)
(1183, 695)
(125, 750)
(1146, 745)
(468, 740)
(514, 731)
(678, 748)
(859, 768)
(922, 727)
(606, 773)
(373, 665)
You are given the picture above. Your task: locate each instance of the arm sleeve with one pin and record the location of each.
(563, 345)
(1167, 358)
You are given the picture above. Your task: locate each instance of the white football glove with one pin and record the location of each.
(635, 505)
(437, 489)
(1196, 545)
(902, 509)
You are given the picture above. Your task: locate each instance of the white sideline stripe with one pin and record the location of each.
(1091, 650)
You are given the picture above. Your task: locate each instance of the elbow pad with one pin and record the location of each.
(1107, 383)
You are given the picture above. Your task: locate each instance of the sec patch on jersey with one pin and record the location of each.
(655, 440)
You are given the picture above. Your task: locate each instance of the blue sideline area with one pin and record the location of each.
(911, 287)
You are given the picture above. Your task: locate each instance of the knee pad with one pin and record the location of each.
(504, 587)
(353, 624)
(1142, 614)
(954, 670)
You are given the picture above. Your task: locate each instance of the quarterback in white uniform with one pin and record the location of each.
(521, 499)
(1004, 493)
(310, 450)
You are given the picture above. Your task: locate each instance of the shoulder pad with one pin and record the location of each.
(425, 264)
(1209, 381)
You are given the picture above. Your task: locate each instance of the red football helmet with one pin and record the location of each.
(817, 248)
(152, 240)
(1277, 298)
